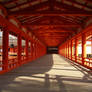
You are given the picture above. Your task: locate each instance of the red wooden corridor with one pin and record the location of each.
(30, 29)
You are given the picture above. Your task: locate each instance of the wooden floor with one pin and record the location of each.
(50, 73)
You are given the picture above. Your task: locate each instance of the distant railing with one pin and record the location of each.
(73, 57)
(79, 59)
(12, 63)
(88, 62)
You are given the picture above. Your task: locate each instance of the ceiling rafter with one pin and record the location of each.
(30, 4)
(68, 7)
(31, 19)
(79, 4)
(72, 19)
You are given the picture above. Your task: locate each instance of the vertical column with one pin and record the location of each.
(19, 49)
(65, 51)
(91, 47)
(5, 48)
(68, 49)
(83, 48)
(71, 48)
(35, 50)
(76, 49)
(26, 49)
(31, 50)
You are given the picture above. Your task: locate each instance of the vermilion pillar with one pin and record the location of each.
(5, 48)
(71, 48)
(37, 45)
(76, 49)
(83, 47)
(35, 50)
(91, 46)
(68, 49)
(32, 57)
(19, 49)
(26, 49)
(65, 51)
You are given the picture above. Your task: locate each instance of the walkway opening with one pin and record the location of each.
(52, 50)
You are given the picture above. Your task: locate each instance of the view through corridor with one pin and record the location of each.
(50, 73)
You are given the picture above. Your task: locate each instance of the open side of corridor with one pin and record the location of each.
(50, 73)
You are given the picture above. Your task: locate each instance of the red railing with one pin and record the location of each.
(88, 62)
(12, 63)
(73, 57)
(79, 59)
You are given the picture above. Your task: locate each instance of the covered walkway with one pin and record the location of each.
(50, 73)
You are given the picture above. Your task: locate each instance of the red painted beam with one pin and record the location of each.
(48, 20)
(51, 13)
(53, 25)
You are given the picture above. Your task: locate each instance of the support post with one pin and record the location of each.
(31, 50)
(65, 51)
(91, 46)
(71, 48)
(83, 48)
(5, 48)
(26, 49)
(76, 49)
(68, 49)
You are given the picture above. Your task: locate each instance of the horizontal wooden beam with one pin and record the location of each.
(51, 13)
(53, 25)
(54, 31)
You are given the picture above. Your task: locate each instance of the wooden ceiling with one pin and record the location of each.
(52, 21)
